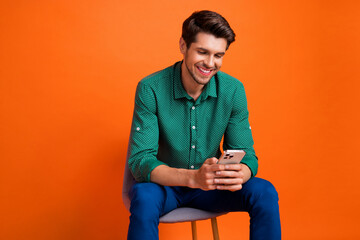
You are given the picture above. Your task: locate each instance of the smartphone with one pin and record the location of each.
(231, 156)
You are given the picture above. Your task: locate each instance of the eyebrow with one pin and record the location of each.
(204, 49)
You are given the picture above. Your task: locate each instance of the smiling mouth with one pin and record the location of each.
(204, 71)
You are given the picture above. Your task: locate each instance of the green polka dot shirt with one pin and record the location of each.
(170, 128)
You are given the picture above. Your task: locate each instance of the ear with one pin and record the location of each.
(182, 45)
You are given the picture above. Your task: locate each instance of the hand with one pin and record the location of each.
(209, 177)
(220, 176)
(204, 177)
(232, 176)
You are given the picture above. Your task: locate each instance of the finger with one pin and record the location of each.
(210, 187)
(228, 181)
(235, 187)
(231, 174)
(237, 167)
(211, 161)
(217, 167)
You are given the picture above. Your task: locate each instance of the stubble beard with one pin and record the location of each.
(197, 79)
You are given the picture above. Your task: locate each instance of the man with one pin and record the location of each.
(181, 114)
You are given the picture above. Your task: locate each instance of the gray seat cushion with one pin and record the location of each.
(185, 214)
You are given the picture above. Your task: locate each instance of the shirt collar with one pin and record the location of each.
(179, 91)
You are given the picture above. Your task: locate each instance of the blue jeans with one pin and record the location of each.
(258, 197)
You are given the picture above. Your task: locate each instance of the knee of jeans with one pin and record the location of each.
(266, 191)
(269, 191)
(264, 201)
(146, 200)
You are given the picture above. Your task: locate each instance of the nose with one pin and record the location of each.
(209, 62)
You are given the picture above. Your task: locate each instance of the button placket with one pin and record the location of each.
(193, 137)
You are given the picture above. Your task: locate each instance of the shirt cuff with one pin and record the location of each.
(151, 168)
(252, 164)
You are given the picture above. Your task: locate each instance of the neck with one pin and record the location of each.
(191, 87)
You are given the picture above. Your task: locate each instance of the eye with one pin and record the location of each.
(218, 56)
(202, 52)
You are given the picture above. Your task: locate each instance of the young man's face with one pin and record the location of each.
(203, 58)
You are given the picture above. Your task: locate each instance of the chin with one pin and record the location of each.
(202, 81)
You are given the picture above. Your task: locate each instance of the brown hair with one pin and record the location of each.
(208, 22)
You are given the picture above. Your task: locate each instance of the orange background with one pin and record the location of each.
(67, 80)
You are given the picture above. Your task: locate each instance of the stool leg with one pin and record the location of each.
(193, 228)
(215, 228)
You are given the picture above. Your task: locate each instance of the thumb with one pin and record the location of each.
(211, 161)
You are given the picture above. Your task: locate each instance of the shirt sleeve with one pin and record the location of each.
(238, 132)
(144, 135)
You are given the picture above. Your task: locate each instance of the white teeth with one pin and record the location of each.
(204, 71)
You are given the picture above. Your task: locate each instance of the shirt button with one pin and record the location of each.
(137, 129)
(192, 167)
(193, 127)
(193, 108)
(193, 146)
